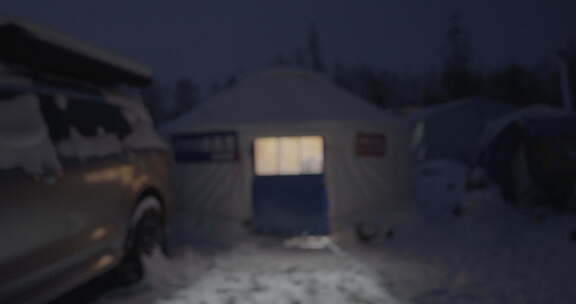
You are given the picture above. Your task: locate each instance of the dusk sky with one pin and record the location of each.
(210, 39)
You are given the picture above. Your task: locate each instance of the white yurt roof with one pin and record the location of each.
(282, 96)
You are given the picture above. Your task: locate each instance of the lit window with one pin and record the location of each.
(266, 154)
(294, 155)
(312, 157)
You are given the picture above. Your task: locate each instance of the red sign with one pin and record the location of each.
(371, 144)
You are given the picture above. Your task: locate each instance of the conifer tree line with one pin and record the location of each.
(457, 78)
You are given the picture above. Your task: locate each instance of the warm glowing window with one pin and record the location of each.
(294, 155)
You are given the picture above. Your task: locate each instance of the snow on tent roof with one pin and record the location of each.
(283, 96)
(51, 52)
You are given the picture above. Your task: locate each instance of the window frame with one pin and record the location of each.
(365, 149)
(116, 124)
(190, 156)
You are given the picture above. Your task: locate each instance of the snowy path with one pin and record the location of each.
(492, 254)
(467, 261)
(256, 273)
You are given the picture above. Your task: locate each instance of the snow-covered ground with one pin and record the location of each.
(259, 272)
(512, 258)
(490, 253)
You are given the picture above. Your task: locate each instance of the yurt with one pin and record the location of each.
(286, 152)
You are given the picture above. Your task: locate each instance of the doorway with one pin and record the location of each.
(288, 190)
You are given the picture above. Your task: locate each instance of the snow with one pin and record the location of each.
(258, 273)
(104, 144)
(501, 257)
(282, 95)
(143, 134)
(308, 242)
(25, 144)
(507, 259)
(492, 254)
(77, 46)
(81, 147)
(440, 186)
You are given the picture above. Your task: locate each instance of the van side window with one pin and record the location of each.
(86, 116)
(56, 118)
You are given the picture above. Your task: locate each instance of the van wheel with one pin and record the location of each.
(145, 236)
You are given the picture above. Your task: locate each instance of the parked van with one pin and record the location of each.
(84, 187)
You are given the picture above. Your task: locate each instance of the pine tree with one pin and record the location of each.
(431, 91)
(568, 56)
(152, 98)
(516, 85)
(279, 60)
(315, 49)
(457, 77)
(299, 58)
(215, 88)
(339, 75)
(186, 96)
(373, 86)
(231, 81)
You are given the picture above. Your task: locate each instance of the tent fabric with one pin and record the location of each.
(495, 126)
(283, 96)
(454, 130)
(503, 137)
(216, 197)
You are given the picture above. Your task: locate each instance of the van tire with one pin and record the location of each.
(145, 235)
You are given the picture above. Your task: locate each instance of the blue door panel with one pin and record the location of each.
(290, 205)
